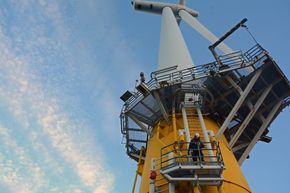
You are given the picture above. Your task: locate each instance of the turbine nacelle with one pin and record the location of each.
(157, 7)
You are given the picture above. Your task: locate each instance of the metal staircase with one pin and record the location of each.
(193, 123)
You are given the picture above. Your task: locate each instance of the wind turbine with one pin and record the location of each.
(229, 102)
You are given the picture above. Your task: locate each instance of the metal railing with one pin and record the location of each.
(170, 76)
(252, 53)
(286, 101)
(134, 137)
(182, 155)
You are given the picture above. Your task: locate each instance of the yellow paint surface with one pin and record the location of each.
(163, 134)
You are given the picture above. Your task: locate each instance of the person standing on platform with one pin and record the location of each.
(195, 148)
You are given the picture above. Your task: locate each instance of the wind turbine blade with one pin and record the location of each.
(173, 50)
(194, 23)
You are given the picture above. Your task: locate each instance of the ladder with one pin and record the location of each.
(193, 123)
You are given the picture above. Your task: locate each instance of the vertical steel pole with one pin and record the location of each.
(171, 186)
(135, 181)
(185, 124)
(174, 119)
(204, 132)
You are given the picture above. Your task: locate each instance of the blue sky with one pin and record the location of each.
(63, 66)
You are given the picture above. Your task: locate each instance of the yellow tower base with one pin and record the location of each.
(164, 134)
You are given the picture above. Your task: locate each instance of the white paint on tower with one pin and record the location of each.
(173, 50)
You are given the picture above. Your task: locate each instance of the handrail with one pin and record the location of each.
(166, 77)
(286, 102)
(182, 155)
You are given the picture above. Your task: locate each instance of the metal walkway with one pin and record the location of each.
(177, 165)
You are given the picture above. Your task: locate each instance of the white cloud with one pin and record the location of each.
(22, 95)
(88, 167)
(10, 175)
(31, 102)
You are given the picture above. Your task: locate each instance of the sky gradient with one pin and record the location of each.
(64, 65)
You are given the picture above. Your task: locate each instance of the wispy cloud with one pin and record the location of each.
(49, 75)
(27, 95)
(88, 167)
(40, 114)
(11, 176)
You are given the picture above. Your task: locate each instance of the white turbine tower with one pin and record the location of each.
(173, 50)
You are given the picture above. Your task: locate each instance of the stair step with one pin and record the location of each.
(193, 123)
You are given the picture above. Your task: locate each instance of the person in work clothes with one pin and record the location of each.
(195, 148)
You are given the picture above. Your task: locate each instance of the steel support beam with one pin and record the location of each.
(237, 87)
(238, 147)
(249, 117)
(262, 118)
(209, 180)
(162, 108)
(138, 141)
(142, 118)
(171, 186)
(260, 132)
(140, 124)
(134, 129)
(238, 104)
